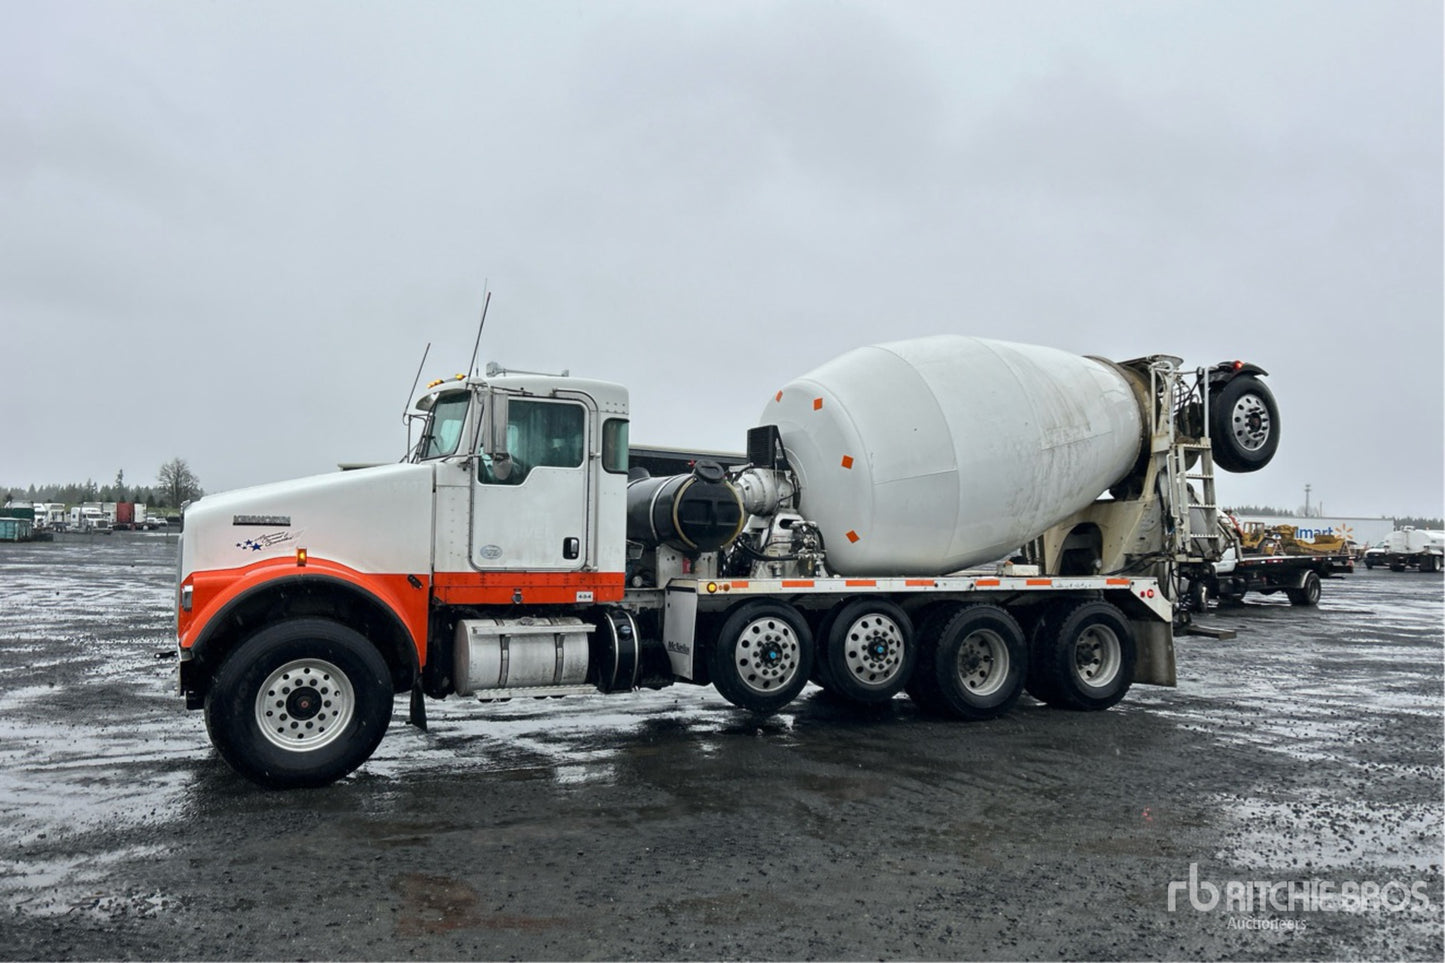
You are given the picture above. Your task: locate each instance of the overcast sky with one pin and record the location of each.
(227, 231)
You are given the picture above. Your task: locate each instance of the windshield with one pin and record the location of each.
(444, 425)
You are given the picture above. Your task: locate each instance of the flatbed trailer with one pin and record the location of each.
(1299, 577)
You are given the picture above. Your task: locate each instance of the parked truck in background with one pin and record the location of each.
(1409, 547)
(520, 555)
(1267, 562)
(89, 518)
(128, 516)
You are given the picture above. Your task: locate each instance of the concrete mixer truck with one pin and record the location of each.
(954, 518)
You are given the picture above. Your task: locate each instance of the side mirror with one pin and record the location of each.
(494, 425)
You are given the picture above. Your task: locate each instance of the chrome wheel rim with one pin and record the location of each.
(1097, 656)
(1250, 422)
(983, 662)
(767, 654)
(305, 705)
(873, 650)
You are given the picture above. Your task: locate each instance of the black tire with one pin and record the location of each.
(974, 668)
(920, 684)
(761, 656)
(1198, 596)
(299, 704)
(1397, 566)
(866, 650)
(1041, 640)
(1429, 564)
(1088, 662)
(1308, 593)
(1370, 564)
(1243, 425)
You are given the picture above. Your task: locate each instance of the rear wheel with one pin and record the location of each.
(761, 656)
(974, 667)
(301, 703)
(1087, 662)
(866, 651)
(1308, 593)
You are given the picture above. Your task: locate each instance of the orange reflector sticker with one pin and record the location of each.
(853, 536)
(987, 582)
(798, 583)
(1117, 581)
(920, 582)
(1038, 581)
(778, 396)
(817, 403)
(847, 461)
(861, 582)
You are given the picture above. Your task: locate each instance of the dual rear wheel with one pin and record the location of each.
(970, 661)
(1082, 656)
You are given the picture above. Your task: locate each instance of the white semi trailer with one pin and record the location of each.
(513, 553)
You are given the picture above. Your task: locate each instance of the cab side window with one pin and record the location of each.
(540, 434)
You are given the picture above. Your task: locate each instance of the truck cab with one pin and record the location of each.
(531, 485)
(514, 496)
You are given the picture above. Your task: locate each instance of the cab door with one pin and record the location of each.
(532, 510)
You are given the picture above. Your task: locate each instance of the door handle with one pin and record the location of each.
(571, 547)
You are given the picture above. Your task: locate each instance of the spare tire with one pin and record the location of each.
(1243, 425)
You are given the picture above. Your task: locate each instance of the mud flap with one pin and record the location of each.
(418, 707)
(679, 628)
(1154, 646)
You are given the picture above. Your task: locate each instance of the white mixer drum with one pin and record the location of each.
(923, 457)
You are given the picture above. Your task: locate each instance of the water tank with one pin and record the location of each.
(923, 457)
(696, 512)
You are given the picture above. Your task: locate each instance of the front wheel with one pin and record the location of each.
(300, 704)
(761, 656)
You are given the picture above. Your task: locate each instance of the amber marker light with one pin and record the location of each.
(301, 558)
(711, 588)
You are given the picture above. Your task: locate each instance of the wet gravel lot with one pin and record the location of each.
(1294, 765)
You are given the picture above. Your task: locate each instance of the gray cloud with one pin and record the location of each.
(282, 205)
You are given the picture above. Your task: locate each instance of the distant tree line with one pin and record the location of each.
(175, 485)
(1400, 520)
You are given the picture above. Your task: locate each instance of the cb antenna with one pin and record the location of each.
(472, 369)
(415, 381)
